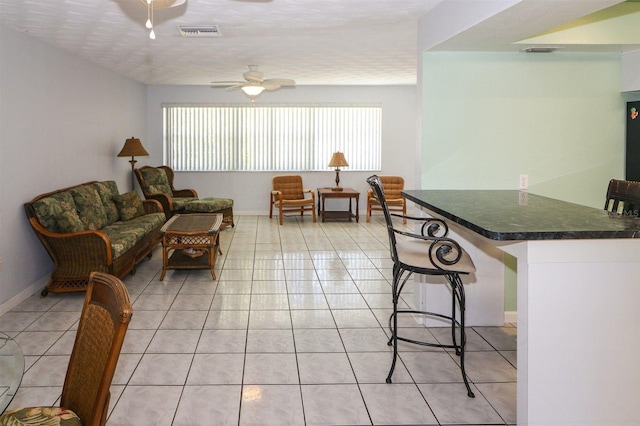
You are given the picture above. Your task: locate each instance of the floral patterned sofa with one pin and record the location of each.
(92, 227)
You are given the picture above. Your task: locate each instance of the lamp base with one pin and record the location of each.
(337, 188)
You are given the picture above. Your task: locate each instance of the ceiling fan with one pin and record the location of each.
(254, 83)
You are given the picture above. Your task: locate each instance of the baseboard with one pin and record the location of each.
(511, 317)
(22, 296)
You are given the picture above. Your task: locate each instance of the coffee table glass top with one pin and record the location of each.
(193, 222)
(11, 370)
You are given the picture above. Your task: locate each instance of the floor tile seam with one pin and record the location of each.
(355, 377)
(293, 337)
(479, 392)
(494, 347)
(425, 399)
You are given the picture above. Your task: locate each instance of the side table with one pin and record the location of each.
(349, 193)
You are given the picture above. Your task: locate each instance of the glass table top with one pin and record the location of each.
(11, 369)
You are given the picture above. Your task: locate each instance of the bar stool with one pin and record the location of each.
(431, 253)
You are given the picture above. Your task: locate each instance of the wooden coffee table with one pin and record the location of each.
(191, 241)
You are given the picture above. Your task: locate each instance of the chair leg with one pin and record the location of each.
(368, 212)
(397, 273)
(404, 211)
(457, 288)
(313, 213)
(270, 206)
(280, 216)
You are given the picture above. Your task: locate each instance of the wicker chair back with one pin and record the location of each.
(103, 324)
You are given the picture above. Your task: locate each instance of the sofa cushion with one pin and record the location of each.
(179, 203)
(107, 190)
(89, 207)
(129, 205)
(41, 416)
(209, 205)
(57, 213)
(155, 181)
(125, 234)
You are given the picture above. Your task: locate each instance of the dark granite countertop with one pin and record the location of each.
(512, 215)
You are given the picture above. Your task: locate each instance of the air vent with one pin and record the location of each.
(199, 31)
(539, 49)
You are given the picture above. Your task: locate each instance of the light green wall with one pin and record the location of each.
(489, 117)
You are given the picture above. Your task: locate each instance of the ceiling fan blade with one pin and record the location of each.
(236, 86)
(284, 82)
(225, 83)
(268, 85)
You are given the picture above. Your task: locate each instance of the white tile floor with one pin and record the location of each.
(293, 332)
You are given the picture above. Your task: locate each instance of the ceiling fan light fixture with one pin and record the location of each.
(157, 4)
(252, 90)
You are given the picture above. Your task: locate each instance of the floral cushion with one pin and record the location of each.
(179, 203)
(89, 207)
(57, 213)
(209, 205)
(107, 190)
(129, 205)
(53, 416)
(155, 181)
(124, 235)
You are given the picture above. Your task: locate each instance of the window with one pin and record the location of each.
(271, 138)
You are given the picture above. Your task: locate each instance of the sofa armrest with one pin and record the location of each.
(76, 253)
(185, 193)
(166, 201)
(152, 206)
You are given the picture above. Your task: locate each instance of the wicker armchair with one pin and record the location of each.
(288, 195)
(85, 395)
(393, 187)
(157, 184)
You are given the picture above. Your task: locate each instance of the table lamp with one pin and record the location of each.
(337, 161)
(133, 148)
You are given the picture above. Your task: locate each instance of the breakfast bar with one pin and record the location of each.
(578, 289)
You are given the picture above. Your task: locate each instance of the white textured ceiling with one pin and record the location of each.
(311, 41)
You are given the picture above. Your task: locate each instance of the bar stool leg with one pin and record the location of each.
(394, 318)
(457, 288)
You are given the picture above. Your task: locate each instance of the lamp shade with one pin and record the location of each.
(338, 160)
(133, 148)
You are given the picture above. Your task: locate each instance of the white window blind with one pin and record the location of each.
(271, 138)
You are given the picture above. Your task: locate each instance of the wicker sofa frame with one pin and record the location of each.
(77, 254)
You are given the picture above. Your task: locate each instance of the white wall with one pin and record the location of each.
(631, 72)
(250, 190)
(62, 122)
